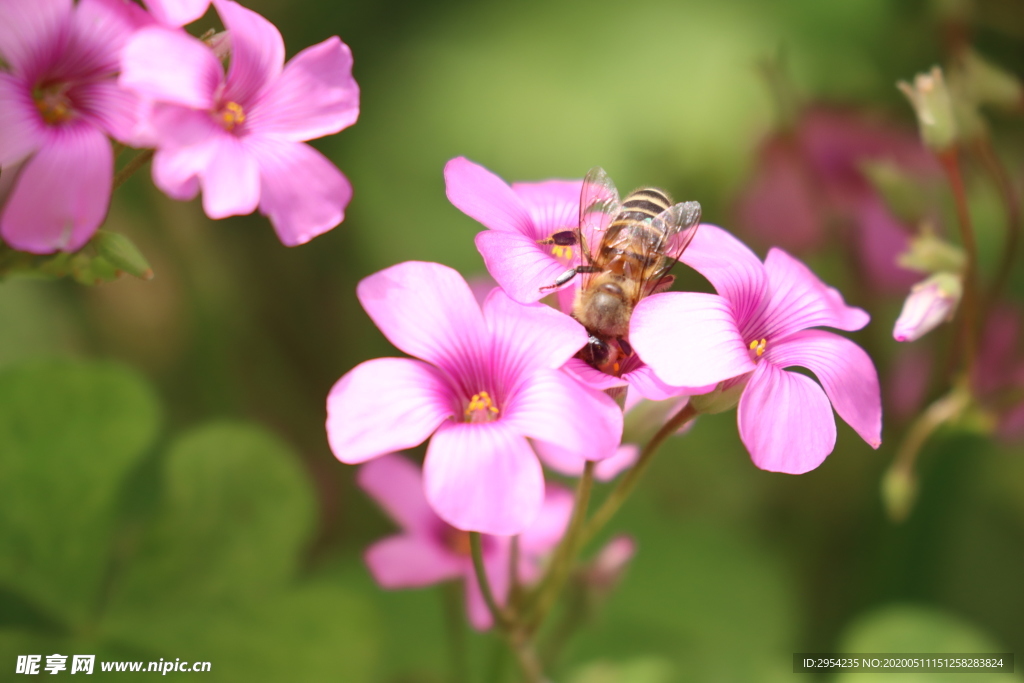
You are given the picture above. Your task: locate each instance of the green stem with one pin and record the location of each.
(628, 482)
(565, 554)
(515, 587)
(137, 162)
(497, 613)
(1001, 179)
(901, 472)
(969, 306)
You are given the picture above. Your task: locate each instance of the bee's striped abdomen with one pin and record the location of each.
(632, 228)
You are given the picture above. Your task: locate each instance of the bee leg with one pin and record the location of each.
(627, 349)
(597, 352)
(569, 275)
(562, 238)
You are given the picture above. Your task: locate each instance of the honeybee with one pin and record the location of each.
(638, 240)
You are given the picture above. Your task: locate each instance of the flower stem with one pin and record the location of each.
(137, 162)
(971, 301)
(943, 410)
(1011, 202)
(497, 613)
(626, 485)
(565, 554)
(515, 587)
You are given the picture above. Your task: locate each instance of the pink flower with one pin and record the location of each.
(487, 380)
(241, 137)
(59, 100)
(517, 217)
(755, 327)
(428, 551)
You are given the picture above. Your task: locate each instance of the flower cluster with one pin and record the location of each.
(499, 386)
(73, 76)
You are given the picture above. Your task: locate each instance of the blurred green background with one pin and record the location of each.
(166, 488)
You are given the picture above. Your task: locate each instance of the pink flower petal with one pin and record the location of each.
(525, 337)
(651, 387)
(567, 463)
(396, 484)
(230, 179)
(519, 264)
(21, 128)
(483, 477)
(785, 421)
(176, 170)
(411, 562)
(624, 458)
(798, 300)
(8, 174)
(734, 270)
(553, 407)
(315, 95)
(257, 52)
(62, 194)
(176, 12)
(108, 106)
(845, 372)
(549, 527)
(99, 31)
(301, 191)
(171, 66)
(689, 339)
(385, 405)
(33, 33)
(554, 205)
(485, 198)
(428, 311)
(581, 371)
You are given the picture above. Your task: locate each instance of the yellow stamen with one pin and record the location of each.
(232, 115)
(759, 346)
(559, 251)
(481, 403)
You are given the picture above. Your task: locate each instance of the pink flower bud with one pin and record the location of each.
(931, 303)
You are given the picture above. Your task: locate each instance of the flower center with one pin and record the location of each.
(53, 103)
(481, 408)
(457, 541)
(758, 346)
(231, 115)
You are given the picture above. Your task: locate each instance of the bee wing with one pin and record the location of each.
(676, 227)
(599, 204)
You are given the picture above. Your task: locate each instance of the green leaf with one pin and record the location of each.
(122, 254)
(69, 433)
(237, 510)
(104, 258)
(909, 629)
